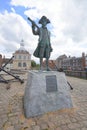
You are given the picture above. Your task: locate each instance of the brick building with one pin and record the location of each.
(51, 64)
(59, 60)
(72, 63)
(86, 62)
(1, 60)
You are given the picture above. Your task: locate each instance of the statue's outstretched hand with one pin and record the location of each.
(33, 24)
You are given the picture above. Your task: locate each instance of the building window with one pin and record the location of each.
(19, 56)
(24, 57)
(19, 64)
(14, 57)
(29, 57)
(24, 64)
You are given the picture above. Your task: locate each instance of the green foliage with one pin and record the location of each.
(33, 63)
(37, 66)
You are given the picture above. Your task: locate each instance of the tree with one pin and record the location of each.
(33, 63)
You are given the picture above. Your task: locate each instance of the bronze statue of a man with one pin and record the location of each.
(43, 49)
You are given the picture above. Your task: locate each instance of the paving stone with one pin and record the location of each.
(51, 125)
(17, 127)
(14, 120)
(1, 125)
(73, 120)
(14, 114)
(84, 123)
(10, 128)
(36, 127)
(58, 128)
(4, 120)
(64, 127)
(44, 126)
(74, 126)
(85, 128)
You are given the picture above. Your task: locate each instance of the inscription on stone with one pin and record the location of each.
(51, 83)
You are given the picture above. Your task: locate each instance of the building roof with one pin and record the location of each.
(61, 57)
(22, 50)
(5, 60)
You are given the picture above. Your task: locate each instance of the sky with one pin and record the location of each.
(68, 26)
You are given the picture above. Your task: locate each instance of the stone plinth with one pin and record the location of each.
(46, 91)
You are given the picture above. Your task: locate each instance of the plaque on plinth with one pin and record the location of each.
(51, 83)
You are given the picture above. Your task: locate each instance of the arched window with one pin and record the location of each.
(24, 64)
(19, 64)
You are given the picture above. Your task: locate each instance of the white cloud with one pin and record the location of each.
(13, 10)
(13, 29)
(68, 25)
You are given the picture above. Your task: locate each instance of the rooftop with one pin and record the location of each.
(22, 48)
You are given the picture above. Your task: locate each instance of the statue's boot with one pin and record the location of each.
(48, 69)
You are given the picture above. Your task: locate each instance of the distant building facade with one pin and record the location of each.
(5, 61)
(8, 67)
(22, 58)
(59, 60)
(86, 62)
(72, 63)
(51, 64)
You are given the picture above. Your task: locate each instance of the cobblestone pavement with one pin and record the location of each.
(12, 114)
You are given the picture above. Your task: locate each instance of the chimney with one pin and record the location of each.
(83, 54)
(1, 60)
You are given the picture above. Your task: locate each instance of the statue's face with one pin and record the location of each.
(44, 23)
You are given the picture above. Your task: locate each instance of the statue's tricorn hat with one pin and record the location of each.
(44, 18)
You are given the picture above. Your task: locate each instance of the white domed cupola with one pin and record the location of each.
(22, 46)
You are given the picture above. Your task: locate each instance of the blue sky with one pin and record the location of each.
(4, 4)
(68, 25)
